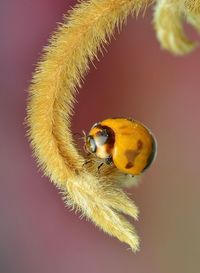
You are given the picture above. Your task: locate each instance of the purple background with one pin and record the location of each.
(134, 79)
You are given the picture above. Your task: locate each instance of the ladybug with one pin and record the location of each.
(126, 143)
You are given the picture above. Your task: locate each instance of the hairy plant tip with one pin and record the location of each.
(99, 201)
(192, 11)
(192, 6)
(168, 20)
(65, 62)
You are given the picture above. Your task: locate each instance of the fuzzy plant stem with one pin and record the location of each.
(65, 61)
(169, 20)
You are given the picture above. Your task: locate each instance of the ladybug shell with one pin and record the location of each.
(134, 148)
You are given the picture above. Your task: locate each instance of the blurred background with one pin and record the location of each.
(134, 79)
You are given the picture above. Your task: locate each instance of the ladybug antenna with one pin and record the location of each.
(79, 136)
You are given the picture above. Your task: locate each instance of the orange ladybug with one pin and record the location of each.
(126, 143)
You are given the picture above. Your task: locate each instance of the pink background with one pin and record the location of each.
(134, 79)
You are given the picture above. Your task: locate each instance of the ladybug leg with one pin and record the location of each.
(78, 134)
(85, 150)
(87, 161)
(109, 160)
(100, 167)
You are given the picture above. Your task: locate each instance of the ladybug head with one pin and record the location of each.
(100, 141)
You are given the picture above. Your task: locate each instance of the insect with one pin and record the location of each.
(126, 143)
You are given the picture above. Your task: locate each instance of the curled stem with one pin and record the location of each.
(64, 63)
(169, 19)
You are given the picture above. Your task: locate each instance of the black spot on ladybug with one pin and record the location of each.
(139, 144)
(124, 131)
(131, 155)
(123, 127)
(129, 165)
